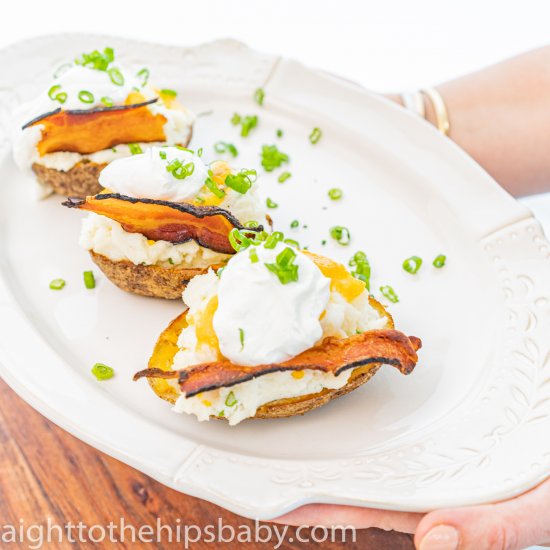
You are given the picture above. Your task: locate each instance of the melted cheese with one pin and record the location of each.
(134, 97)
(341, 280)
(220, 170)
(204, 325)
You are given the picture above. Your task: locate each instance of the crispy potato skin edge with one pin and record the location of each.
(80, 181)
(146, 280)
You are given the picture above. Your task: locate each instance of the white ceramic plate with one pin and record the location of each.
(470, 425)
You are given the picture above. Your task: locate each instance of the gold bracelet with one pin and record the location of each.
(440, 109)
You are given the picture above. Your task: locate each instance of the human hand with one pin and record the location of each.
(509, 525)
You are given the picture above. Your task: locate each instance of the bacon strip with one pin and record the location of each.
(167, 221)
(88, 131)
(333, 355)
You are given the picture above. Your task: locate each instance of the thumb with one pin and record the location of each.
(508, 525)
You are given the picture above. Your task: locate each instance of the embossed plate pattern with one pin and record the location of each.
(468, 426)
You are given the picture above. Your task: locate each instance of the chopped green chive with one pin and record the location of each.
(315, 135)
(86, 97)
(242, 239)
(247, 122)
(182, 148)
(272, 158)
(97, 60)
(162, 155)
(113, 149)
(199, 152)
(61, 97)
(259, 96)
(261, 237)
(294, 224)
(116, 76)
(273, 239)
(253, 256)
(135, 148)
(439, 261)
(283, 177)
(89, 279)
(241, 338)
(270, 204)
(170, 261)
(335, 194)
(102, 372)
(55, 95)
(230, 400)
(279, 133)
(224, 147)
(340, 234)
(323, 242)
(109, 54)
(179, 169)
(168, 92)
(144, 75)
(52, 91)
(238, 240)
(286, 257)
(107, 101)
(412, 264)
(57, 284)
(292, 242)
(212, 187)
(242, 181)
(284, 266)
(361, 267)
(389, 293)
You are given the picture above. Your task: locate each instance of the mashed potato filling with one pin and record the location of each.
(65, 160)
(106, 237)
(198, 344)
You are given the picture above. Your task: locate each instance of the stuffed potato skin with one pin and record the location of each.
(167, 389)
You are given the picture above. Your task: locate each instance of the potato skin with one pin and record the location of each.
(146, 280)
(166, 348)
(80, 181)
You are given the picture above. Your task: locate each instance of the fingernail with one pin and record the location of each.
(442, 537)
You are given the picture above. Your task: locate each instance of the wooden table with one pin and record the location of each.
(46, 472)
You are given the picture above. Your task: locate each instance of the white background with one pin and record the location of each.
(383, 44)
(386, 45)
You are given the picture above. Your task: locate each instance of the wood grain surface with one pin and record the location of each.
(47, 473)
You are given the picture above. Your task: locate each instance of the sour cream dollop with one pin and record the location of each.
(99, 84)
(146, 175)
(259, 320)
(77, 79)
